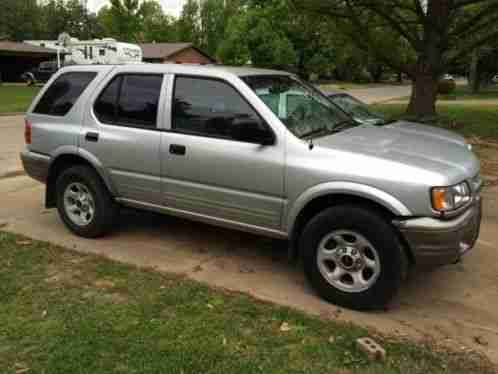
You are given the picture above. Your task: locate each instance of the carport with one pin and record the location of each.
(16, 58)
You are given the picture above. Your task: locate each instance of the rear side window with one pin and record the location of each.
(62, 94)
(130, 100)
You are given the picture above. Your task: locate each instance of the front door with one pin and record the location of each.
(208, 169)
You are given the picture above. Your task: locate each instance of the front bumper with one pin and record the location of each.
(36, 165)
(435, 242)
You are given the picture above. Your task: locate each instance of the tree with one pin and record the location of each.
(189, 24)
(212, 19)
(156, 26)
(122, 19)
(251, 37)
(483, 67)
(20, 19)
(438, 33)
(271, 33)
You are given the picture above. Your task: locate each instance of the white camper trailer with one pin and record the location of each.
(87, 52)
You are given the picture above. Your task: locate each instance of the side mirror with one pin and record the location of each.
(252, 131)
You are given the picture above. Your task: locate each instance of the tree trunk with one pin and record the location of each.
(474, 76)
(424, 95)
(400, 77)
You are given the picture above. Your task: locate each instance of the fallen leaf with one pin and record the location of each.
(44, 314)
(104, 284)
(23, 242)
(480, 340)
(197, 269)
(224, 341)
(332, 340)
(284, 327)
(210, 306)
(20, 371)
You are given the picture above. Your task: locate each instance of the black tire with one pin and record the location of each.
(105, 208)
(376, 229)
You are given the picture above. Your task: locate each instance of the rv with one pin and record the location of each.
(87, 52)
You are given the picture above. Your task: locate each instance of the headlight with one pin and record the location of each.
(445, 199)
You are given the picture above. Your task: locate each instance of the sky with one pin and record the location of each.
(172, 7)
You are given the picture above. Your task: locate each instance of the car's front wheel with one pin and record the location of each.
(352, 257)
(84, 203)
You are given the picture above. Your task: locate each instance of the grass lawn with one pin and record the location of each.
(468, 120)
(351, 86)
(463, 92)
(16, 98)
(64, 312)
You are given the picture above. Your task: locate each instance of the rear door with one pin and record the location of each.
(121, 133)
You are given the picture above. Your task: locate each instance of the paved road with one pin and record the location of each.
(380, 94)
(11, 144)
(452, 305)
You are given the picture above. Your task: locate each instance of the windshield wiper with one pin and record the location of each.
(314, 132)
(344, 125)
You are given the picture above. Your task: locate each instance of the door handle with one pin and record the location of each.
(177, 149)
(92, 137)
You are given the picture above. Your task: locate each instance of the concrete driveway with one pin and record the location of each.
(11, 144)
(381, 93)
(453, 306)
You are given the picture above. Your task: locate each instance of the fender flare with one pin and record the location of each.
(88, 157)
(345, 188)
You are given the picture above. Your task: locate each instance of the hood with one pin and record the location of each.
(424, 130)
(417, 146)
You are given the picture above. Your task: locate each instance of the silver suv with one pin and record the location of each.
(357, 203)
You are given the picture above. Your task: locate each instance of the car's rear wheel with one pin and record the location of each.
(352, 257)
(84, 203)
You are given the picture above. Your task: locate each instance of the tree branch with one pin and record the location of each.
(467, 26)
(396, 24)
(473, 46)
(463, 3)
(363, 40)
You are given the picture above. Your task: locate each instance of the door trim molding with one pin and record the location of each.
(204, 218)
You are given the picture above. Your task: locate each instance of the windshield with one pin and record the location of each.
(356, 109)
(303, 109)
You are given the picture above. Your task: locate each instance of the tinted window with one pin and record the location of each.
(130, 100)
(139, 99)
(63, 93)
(105, 106)
(210, 107)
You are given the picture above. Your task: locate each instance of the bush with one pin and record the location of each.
(446, 86)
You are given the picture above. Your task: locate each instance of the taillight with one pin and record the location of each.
(27, 131)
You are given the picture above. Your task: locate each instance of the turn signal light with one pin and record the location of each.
(27, 131)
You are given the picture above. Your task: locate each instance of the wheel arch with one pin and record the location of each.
(64, 160)
(322, 197)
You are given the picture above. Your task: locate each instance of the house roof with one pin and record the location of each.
(165, 50)
(16, 47)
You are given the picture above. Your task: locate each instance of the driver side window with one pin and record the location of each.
(211, 107)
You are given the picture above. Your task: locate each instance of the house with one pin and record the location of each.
(16, 58)
(180, 53)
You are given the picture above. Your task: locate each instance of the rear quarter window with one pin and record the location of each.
(63, 93)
